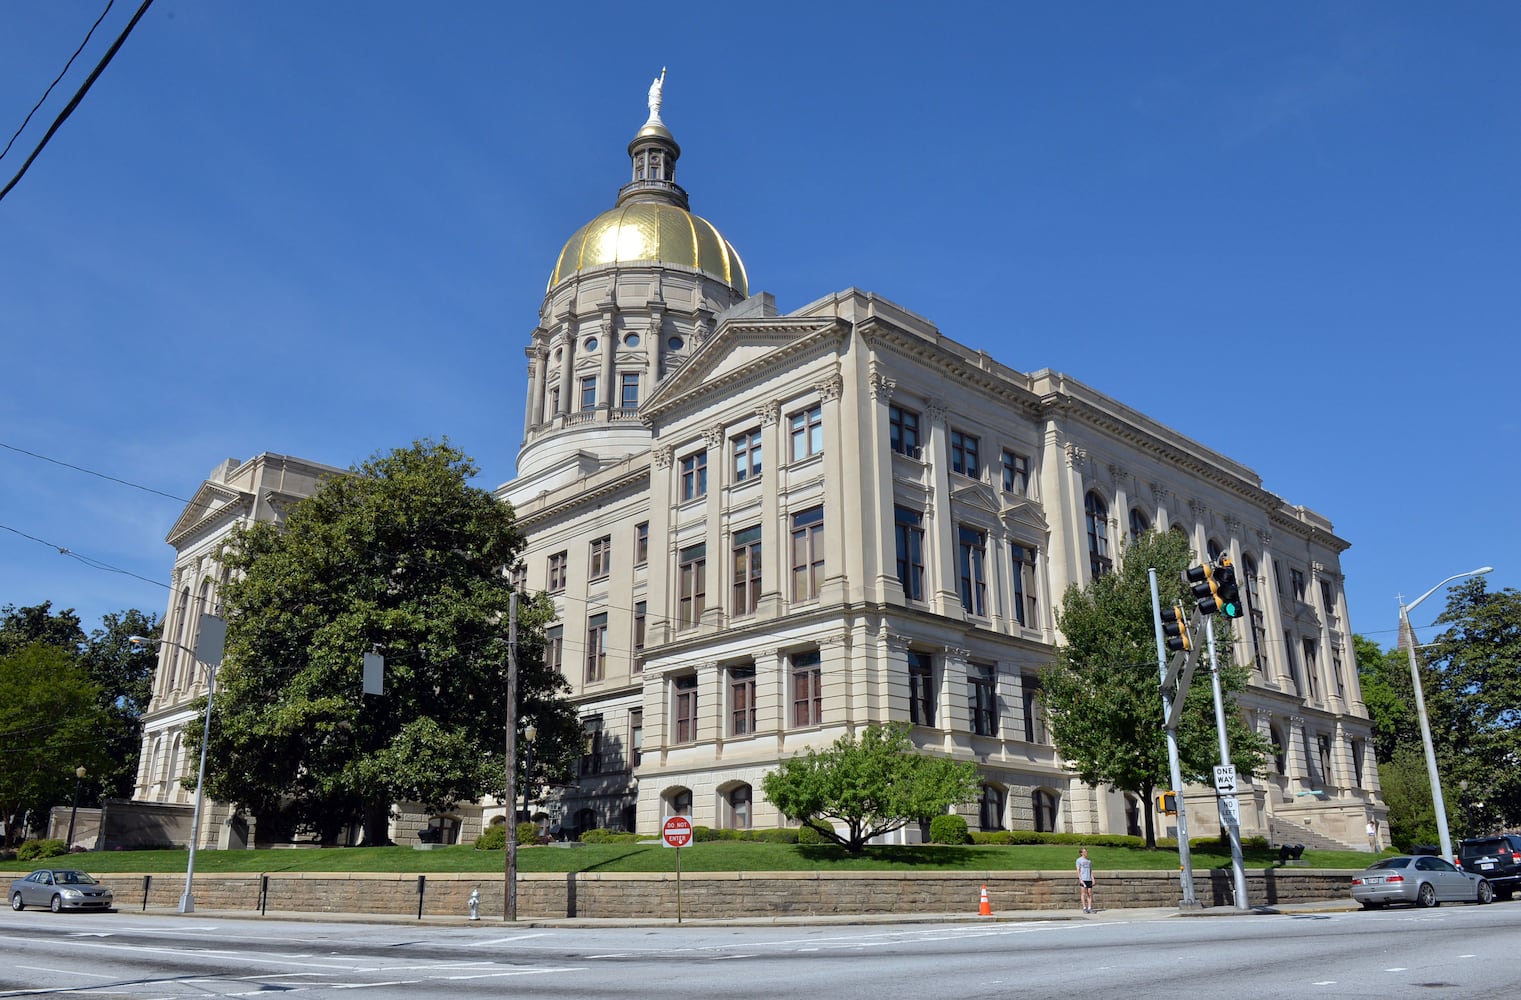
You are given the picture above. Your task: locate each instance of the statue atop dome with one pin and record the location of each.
(657, 89)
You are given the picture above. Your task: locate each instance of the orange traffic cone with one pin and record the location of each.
(984, 909)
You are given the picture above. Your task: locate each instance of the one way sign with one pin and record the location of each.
(1225, 779)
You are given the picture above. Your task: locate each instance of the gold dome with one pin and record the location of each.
(653, 232)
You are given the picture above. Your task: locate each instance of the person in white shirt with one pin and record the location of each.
(1085, 880)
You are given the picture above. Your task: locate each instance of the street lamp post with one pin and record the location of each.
(211, 638)
(79, 776)
(1420, 708)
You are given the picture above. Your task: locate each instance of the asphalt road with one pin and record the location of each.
(1457, 951)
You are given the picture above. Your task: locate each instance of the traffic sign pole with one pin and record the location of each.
(1225, 775)
(677, 833)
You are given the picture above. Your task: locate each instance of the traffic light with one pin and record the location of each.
(1227, 594)
(1175, 629)
(1167, 803)
(1214, 587)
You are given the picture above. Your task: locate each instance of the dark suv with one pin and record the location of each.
(1497, 858)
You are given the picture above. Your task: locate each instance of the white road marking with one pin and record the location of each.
(515, 972)
(506, 940)
(64, 972)
(366, 986)
(1398, 968)
(1325, 982)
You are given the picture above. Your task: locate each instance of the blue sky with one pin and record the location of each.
(324, 229)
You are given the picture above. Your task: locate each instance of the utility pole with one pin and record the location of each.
(1185, 858)
(1230, 807)
(510, 877)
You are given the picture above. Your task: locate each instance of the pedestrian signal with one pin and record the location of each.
(1167, 803)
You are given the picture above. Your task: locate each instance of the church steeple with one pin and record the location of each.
(654, 152)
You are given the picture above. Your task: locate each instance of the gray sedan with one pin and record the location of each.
(60, 889)
(1419, 879)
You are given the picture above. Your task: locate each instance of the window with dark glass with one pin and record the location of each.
(908, 533)
(1140, 524)
(554, 647)
(807, 553)
(921, 689)
(807, 432)
(903, 431)
(964, 454)
(1328, 601)
(684, 710)
(692, 586)
(694, 476)
(1026, 606)
(601, 556)
(636, 735)
(1296, 581)
(641, 543)
(589, 392)
(741, 701)
(639, 619)
(1311, 666)
(591, 746)
(972, 546)
(990, 809)
(746, 451)
(596, 647)
(739, 807)
(1096, 513)
(1043, 804)
(1016, 473)
(558, 563)
(1035, 720)
(1288, 653)
(628, 391)
(747, 570)
(1254, 612)
(982, 697)
(807, 689)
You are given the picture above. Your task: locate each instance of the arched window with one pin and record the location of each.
(1097, 513)
(1133, 816)
(1139, 523)
(990, 809)
(1215, 550)
(586, 819)
(738, 807)
(1043, 803)
(1280, 750)
(680, 801)
(1254, 614)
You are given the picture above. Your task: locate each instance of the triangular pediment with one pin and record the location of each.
(213, 503)
(976, 496)
(743, 351)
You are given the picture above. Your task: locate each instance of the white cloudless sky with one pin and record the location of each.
(1289, 231)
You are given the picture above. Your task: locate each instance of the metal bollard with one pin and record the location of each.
(422, 883)
(263, 893)
(147, 881)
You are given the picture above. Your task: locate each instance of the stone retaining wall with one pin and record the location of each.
(710, 895)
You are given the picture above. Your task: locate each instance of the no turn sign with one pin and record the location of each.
(677, 831)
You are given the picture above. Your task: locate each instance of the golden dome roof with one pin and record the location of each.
(652, 232)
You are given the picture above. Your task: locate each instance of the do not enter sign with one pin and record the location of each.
(677, 831)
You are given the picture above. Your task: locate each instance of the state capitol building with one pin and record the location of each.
(762, 530)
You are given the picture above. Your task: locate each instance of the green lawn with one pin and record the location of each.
(717, 856)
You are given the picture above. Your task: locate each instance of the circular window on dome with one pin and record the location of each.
(591, 343)
(675, 343)
(632, 340)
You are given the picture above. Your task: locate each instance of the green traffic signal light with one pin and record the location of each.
(1227, 594)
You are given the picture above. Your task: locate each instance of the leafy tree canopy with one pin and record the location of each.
(51, 717)
(405, 557)
(1103, 697)
(1385, 681)
(873, 785)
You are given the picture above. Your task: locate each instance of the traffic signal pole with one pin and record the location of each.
(1185, 859)
(1229, 805)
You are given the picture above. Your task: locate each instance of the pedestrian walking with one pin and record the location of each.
(1085, 880)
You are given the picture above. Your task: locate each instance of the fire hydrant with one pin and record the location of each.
(475, 904)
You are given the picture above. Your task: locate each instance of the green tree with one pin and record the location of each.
(403, 556)
(1384, 677)
(1103, 697)
(873, 785)
(50, 717)
(20, 627)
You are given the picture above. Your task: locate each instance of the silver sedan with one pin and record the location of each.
(60, 889)
(1421, 880)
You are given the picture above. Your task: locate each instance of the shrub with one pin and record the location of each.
(528, 833)
(784, 835)
(949, 829)
(600, 836)
(808, 835)
(494, 838)
(34, 849)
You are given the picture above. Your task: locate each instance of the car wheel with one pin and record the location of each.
(57, 905)
(1486, 892)
(1426, 896)
(17, 903)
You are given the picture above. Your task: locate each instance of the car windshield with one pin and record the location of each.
(73, 878)
(1390, 863)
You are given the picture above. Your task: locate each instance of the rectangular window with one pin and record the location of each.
(1016, 473)
(635, 735)
(591, 746)
(554, 648)
(807, 433)
(908, 532)
(903, 431)
(973, 559)
(588, 392)
(807, 689)
(1035, 722)
(741, 701)
(982, 699)
(596, 647)
(557, 567)
(921, 689)
(807, 554)
(1296, 581)
(746, 451)
(964, 455)
(1025, 605)
(518, 577)
(601, 556)
(694, 476)
(639, 617)
(1288, 653)
(1341, 685)
(628, 391)
(641, 543)
(684, 713)
(747, 570)
(1328, 602)
(1310, 666)
(692, 573)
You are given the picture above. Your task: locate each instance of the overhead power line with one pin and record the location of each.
(61, 73)
(84, 88)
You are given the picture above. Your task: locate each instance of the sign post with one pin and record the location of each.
(677, 833)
